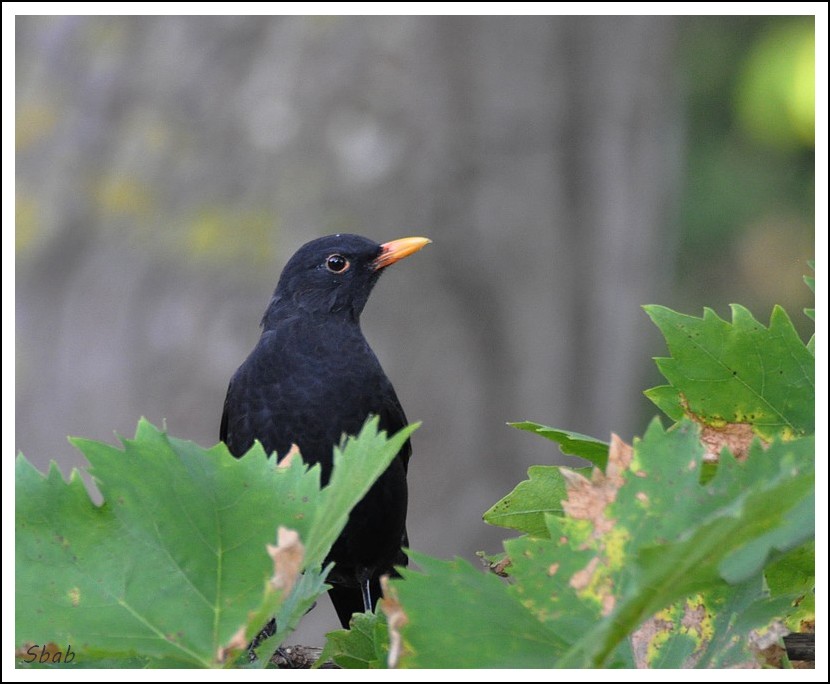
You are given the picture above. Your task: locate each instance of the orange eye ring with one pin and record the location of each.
(337, 263)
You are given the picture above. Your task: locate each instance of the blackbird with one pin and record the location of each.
(311, 379)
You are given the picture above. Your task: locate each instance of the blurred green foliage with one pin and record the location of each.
(776, 97)
(747, 208)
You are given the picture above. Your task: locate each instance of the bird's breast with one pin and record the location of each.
(309, 389)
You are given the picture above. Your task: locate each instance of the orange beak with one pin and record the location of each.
(390, 252)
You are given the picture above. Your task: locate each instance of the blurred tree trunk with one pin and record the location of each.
(548, 167)
(167, 167)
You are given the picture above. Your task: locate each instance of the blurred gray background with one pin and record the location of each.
(568, 170)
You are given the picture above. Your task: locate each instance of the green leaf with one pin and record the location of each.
(525, 507)
(668, 400)
(811, 283)
(810, 280)
(793, 578)
(368, 455)
(310, 586)
(364, 645)
(541, 571)
(174, 564)
(571, 443)
(461, 617)
(740, 372)
(117, 580)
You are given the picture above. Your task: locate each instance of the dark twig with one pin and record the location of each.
(298, 657)
(800, 646)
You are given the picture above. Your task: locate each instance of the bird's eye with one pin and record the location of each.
(336, 263)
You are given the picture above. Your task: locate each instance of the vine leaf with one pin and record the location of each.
(364, 645)
(525, 508)
(724, 373)
(571, 443)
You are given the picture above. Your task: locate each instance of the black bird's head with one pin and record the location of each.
(335, 274)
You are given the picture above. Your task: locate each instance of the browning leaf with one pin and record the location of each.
(738, 372)
(588, 499)
(396, 619)
(236, 643)
(736, 437)
(643, 638)
(767, 644)
(288, 459)
(675, 636)
(288, 557)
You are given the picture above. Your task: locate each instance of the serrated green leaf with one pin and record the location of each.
(460, 616)
(363, 646)
(740, 372)
(368, 455)
(810, 281)
(668, 400)
(174, 562)
(121, 569)
(310, 586)
(571, 443)
(525, 507)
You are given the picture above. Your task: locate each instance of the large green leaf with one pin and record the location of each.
(173, 567)
(741, 372)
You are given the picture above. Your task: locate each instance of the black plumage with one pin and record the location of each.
(311, 379)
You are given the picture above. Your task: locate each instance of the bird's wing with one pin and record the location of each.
(235, 428)
(223, 426)
(393, 419)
